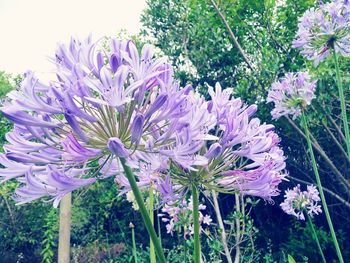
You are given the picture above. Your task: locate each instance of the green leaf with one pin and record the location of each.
(291, 259)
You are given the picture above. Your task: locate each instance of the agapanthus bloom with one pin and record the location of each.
(298, 202)
(244, 157)
(178, 217)
(240, 154)
(324, 28)
(111, 103)
(291, 94)
(106, 103)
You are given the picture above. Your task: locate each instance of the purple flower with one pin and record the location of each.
(14, 169)
(137, 128)
(151, 169)
(105, 103)
(178, 217)
(213, 151)
(243, 154)
(75, 152)
(262, 181)
(291, 94)
(23, 118)
(51, 183)
(324, 28)
(298, 202)
(166, 190)
(115, 145)
(108, 103)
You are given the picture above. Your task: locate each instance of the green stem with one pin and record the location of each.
(152, 253)
(159, 229)
(318, 180)
(316, 239)
(143, 210)
(133, 243)
(196, 227)
(342, 103)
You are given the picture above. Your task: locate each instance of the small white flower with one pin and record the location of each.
(297, 202)
(207, 220)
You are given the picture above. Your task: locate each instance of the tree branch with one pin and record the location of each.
(318, 148)
(232, 35)
(336, 142)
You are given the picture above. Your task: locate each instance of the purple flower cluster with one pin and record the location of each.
(114, 102)
(291, 94)
(324, 28)
(297, 202)
(178, 217)
(232, 152)
(105, 103)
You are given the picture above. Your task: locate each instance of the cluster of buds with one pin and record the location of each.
(297, 202)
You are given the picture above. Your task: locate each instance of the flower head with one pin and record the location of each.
(324, 28)
(298, 202)
(291, 94)
(240, 153)
(178, 217)
(106, 103)
(111, 103)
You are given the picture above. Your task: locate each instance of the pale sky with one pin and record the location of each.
(31, 29)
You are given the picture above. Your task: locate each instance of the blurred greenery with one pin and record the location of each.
(194, 38)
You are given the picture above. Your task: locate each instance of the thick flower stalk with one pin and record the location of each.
(298, 202)
(324, 29)
(291, 94)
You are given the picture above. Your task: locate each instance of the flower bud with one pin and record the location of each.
(214, 151)
(114, 63)
(116, 146)
(137, 128)
(160, 100)
(251, 110)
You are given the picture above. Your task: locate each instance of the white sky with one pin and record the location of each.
(31, 29)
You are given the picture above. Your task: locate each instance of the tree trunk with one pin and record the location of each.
(64, 232)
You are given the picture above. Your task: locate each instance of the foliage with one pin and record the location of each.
(50, 236)
(300, 242)
(21, 227)
(5, 87)
(99, 252)
(5, 84)
(291, 259)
